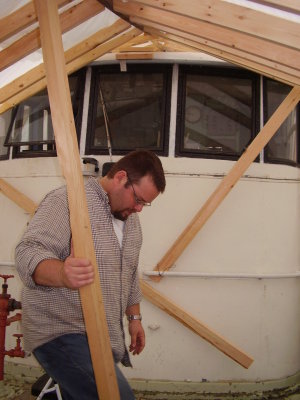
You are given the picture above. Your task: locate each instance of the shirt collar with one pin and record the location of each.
(95, 184)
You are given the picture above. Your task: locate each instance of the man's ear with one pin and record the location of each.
(120, 177)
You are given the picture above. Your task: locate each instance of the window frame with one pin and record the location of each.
(276, 160)
(51, 152)
(221, 71)
(165, 69)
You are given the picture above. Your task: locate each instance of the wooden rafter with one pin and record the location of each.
(72, 66)
(21, 19)
(254, 52)
(38, 73)
(250, 62)
(231, 16)
(31, 41)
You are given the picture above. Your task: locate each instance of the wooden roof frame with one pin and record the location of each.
(263, 43)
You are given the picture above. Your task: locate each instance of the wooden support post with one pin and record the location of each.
(229, 181)
(17, 197)
(68, 155)
(195, 325)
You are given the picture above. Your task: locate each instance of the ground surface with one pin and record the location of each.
(19, 388)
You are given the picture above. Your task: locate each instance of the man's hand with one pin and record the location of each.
(72, 273)
(76, 272)
(137, 334)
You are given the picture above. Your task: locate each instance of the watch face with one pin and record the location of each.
(192, 114)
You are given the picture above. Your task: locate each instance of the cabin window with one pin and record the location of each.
(283, 147)
(30, 131)
(129, 110)
(217, 115)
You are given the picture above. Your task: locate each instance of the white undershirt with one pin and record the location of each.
(119, 229)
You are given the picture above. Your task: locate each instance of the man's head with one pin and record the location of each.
(134, 182)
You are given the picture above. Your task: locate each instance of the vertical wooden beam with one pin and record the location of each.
(229, 181)
(68, 155)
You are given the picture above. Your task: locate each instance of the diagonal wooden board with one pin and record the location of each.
(31, 41)
(16, 196)
(72, 66)
(267, 132)
(68, 155)
(185, 318)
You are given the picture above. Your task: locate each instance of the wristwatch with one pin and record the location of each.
(134, 317)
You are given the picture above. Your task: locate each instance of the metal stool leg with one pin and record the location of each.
(58, 394)
(46, 389)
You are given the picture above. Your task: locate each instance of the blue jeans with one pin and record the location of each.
(67, 360)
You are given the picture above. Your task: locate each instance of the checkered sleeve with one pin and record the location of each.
(47, 237)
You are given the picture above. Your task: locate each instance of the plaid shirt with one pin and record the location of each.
(50, 312)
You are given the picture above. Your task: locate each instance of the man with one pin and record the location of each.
(52, 318)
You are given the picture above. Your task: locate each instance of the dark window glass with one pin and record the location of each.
(129, 110)
(4, 124)
(31, 131)
(283, 147)
(216, 112)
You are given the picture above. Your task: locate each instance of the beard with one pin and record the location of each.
(121, 215)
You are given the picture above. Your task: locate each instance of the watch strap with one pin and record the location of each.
(134, 317)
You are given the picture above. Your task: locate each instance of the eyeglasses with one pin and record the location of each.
(137, 200)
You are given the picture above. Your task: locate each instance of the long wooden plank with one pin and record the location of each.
(232, 16)
(20, 19)
(254, 52)
(73, 66)
(270, 53)
(69, 158)
(31, 41)
(184, 43)
(38, 73)
(17, 197)
(229, 181)
(167, 305)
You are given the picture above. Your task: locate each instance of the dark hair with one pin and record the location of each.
(138, 164)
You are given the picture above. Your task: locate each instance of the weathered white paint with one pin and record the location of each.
(255, 230)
